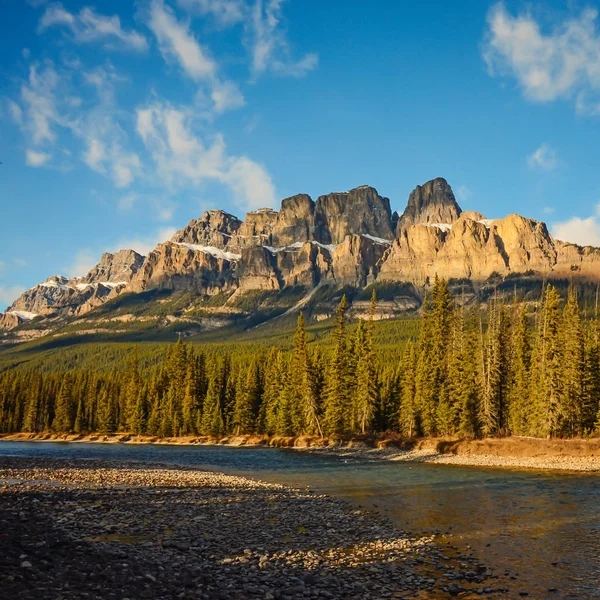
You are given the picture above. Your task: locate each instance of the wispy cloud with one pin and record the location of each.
(267, 41)
(161, 207)
(463, 193)
(182, 157)
(40, 114)
(105, 140)
(8, 294)
(562, 62)
(88, 27)
(225, 12)
(226, 96)
(584, 232)
(178, 43)
(544, 157)
(84, 261)
(37, 159)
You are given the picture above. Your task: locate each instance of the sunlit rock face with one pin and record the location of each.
(344, 238)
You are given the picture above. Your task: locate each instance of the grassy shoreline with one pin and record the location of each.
(512, 452)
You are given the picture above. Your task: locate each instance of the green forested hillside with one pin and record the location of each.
(522, 368)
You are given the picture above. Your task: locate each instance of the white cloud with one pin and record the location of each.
(584, 232)
(37, 159)
(226, 96)
(125, 168)
(268, 44)
(19, 262)
(89, 27)
(162, 207)
(8, 294)
(177, 42)
(225, 12)
(463, 193)
(126, 202)
(561, 63)
(545, 158)
(181, 157)
(95, 155)
(104, 139)
(549, 210)
(85, 261)
(39, 99)
(15, 112)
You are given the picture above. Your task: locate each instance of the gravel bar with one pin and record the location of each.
(125, 530)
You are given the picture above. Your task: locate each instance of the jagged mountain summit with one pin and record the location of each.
(341, 239)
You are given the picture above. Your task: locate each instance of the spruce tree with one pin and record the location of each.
(408, 415)
(336, 394)
(310, 421)
(64, 415)
(572, 363)
(519, 372)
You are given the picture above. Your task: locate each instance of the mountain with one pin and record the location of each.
(219, 268)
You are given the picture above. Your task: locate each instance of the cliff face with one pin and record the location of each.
(359, 211)
(476, 249)
(346, 238)
(119, 267)
(60, 296)
(213, 228)
(433, 202)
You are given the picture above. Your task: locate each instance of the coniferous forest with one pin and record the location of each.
(506, 368)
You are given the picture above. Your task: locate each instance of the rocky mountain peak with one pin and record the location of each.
(359, 211)
(213, 228)
(119, 267)
(433, 202)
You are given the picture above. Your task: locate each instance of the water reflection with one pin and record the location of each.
(540, 528)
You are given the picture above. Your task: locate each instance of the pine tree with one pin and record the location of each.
(64, 415)
(336, 394)
(572, 363)
(494, 376)
(408, 416)
(518, 392)
(366, 384)
(310, 422)
(272, 394)
(545, 388)
(212, 415)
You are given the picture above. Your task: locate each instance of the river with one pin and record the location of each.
(541, 528)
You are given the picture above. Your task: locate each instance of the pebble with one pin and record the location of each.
(118, 530)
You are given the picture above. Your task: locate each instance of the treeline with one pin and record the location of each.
(511, 369)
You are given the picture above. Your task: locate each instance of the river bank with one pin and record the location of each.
(98, 529)
(512, 452)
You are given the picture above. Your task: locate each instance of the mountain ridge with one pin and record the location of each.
(341, 239)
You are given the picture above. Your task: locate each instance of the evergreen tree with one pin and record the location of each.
(408, 416)
(336, 394)
(572, 363)
(212, 415)
(519, 373)
(545, 389)
(64, 415)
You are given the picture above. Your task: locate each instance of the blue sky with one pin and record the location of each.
(120, 121)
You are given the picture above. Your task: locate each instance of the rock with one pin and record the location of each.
(214, 228)
(357, 212)
(26, 564)
(344, 238)
(430, 203)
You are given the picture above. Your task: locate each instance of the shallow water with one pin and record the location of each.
(541, 527)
